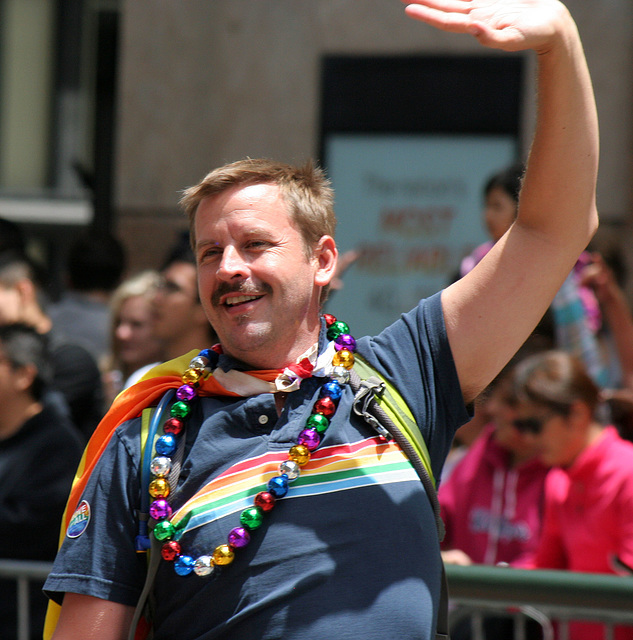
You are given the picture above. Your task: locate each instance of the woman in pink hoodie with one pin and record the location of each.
(588, 522)
(492, 503)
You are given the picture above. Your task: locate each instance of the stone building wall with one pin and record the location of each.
(208, 81)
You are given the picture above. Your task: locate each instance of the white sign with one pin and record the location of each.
(412, 206)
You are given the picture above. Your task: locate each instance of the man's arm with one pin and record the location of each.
(490, 312)
(91, 618)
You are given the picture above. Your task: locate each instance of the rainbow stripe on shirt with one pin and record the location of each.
(335, 468)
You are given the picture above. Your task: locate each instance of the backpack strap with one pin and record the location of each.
(382, 406)
(152, 420)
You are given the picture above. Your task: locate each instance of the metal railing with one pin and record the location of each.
(23, 572)
(545, 596)
(540, 595)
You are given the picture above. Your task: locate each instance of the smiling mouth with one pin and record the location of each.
(237, 300)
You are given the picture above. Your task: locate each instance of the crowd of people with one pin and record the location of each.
(62, 363)
(543, 478)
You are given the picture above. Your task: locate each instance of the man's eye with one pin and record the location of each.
(211, 253)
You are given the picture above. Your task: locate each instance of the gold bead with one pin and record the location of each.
(300, 454)
(159, 488)
(223, 555)
(343, 358)
(192, 376)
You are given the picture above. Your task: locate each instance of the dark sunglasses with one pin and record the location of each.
(531, 424)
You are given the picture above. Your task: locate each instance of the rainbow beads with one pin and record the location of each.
(289, 470)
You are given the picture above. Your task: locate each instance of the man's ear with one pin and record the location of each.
(326, 255)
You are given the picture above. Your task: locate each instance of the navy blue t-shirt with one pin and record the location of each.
(350, 552)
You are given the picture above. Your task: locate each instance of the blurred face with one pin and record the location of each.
(10, 305)
(136, 341)
(499, 212)
(557, 440)
(14, 383)
(258, 285)
(502, 414)
(6, 371)
(176, 300)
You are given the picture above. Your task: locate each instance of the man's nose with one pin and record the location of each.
(232, 264)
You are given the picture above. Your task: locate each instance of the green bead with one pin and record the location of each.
(336, 328)
(318, 422)
(164, 530)
(252, 518)
(180, 409)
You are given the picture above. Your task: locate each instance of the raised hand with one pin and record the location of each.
(511, 25)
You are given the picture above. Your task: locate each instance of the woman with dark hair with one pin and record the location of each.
(501, 204)
(39, 452)
(588, 523)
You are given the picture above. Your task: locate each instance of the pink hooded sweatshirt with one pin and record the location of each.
(493, 512)
(588, 524)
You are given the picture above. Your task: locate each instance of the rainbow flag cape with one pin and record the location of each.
(129, 404)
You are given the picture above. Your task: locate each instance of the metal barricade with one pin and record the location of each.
(544, 596)
(23, 572)
(540, 595)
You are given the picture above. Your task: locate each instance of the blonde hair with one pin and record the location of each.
(305, 189)
(143, 284)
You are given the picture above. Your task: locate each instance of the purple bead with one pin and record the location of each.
(239, 537)
(160, 509)
(310, 438)
(345, 341)
(186, 392)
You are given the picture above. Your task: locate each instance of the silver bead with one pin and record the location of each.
(290, 468)
(340, 374)
(160, 466)
(203, 566)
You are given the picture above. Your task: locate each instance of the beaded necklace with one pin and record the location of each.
(277, 487)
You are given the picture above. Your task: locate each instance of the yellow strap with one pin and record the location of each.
(146, 418)
(393, 404)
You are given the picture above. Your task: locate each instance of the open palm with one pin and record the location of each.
(511, 25)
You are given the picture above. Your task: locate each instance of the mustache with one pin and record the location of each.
(245, 288)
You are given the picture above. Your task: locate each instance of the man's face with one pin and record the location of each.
(175, 301)
(258, 286)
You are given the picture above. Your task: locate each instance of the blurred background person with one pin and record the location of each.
(135, 348)
(616, 337)
(574, 317)
(76, 374)
(501, 199)
(588, 519)
(180, 320)
(12, 237)
(492, 503)
(94, 268)
(39, 453)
